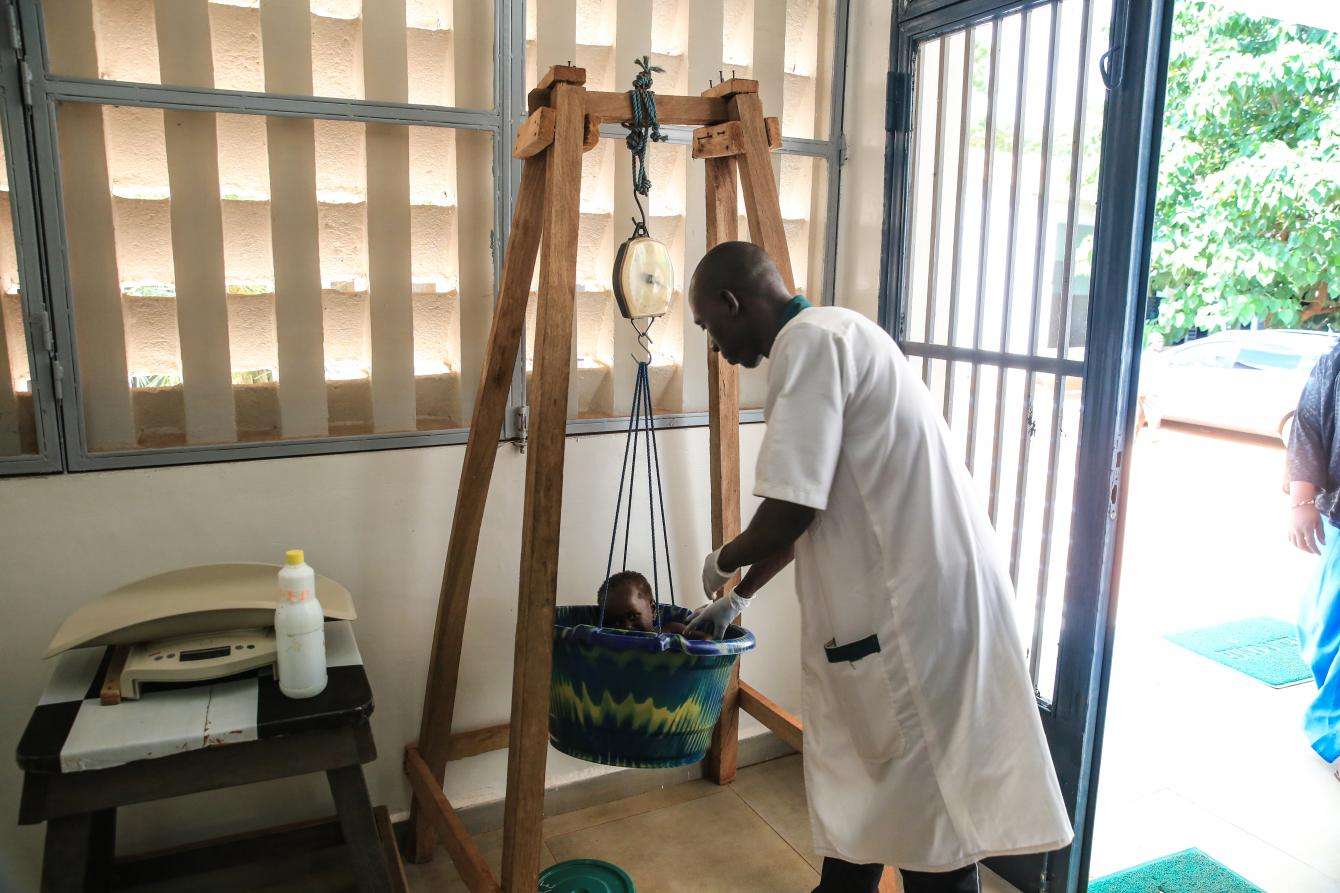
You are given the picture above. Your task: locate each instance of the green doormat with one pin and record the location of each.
(1264, 648)
(1189, 871)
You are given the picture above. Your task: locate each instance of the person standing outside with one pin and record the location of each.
(924, 749)
(1314, 496)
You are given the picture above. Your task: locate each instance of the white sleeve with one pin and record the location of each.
(806, 398)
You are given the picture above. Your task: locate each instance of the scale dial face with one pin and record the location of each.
(644, 278)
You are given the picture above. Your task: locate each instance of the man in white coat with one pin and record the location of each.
(923, 745)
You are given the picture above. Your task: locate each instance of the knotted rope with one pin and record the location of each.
(642, 130)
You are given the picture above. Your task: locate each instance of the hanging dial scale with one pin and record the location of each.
(644, 275)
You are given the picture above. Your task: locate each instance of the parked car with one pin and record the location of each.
(1240, 380)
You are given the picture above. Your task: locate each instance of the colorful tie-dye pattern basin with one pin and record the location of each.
(639, 700)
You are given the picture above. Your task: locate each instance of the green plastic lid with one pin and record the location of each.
(585, 876)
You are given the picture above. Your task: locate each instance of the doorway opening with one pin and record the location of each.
(1204, 759)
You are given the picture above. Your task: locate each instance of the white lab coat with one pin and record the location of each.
(928, 754)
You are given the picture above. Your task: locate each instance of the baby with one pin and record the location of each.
(629, 604)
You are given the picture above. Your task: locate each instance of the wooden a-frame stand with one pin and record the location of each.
(732, 135)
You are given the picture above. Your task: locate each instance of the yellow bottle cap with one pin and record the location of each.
(293, 556)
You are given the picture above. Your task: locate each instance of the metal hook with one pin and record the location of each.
(644, 341)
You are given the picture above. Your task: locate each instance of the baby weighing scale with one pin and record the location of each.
(194, 624)
(196, 658)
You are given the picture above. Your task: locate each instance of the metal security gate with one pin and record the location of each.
(1020, 163)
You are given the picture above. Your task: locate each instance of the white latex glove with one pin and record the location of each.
(715, 617)
(713, 576)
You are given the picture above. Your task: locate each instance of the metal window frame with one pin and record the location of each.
(502, 120)
(48, 89)
(1139, 44)
(37, 314)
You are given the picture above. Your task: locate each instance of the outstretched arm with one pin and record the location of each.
(763, 570)
(770, 536)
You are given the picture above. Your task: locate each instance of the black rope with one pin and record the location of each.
(660, 496)
(618, 506)
(644, 383)
(632, 479)
(643, 130)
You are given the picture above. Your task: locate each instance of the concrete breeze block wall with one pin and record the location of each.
(127, 36)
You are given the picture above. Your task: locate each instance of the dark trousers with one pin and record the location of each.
(847, 877)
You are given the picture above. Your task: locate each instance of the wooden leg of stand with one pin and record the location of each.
(756, 180)
(723, 754)
(529, 738)
(782, 724)
(724, 449)
(724, 446)
(500, 359)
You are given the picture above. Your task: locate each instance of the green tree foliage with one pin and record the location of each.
(1248, 217)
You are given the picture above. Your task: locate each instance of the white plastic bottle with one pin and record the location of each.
(300, 633)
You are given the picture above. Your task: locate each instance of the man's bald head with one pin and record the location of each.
(737, 294)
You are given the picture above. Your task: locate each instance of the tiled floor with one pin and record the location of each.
(1195, 754)
(752, 835)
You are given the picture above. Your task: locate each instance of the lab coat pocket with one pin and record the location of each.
(865, 696)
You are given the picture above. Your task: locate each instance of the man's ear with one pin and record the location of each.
(732, 302)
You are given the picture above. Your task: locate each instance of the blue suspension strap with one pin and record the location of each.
(642, 425)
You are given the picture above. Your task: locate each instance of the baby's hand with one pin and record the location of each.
(675, 628)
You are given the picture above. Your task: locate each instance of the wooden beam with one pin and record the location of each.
(723, 418)
(561, 74)
(614, 108)
(477, 741)
(760, 188)
(544, 497)
(591, 133)
(729, 87)
(783, 724)
(509, 317)
(717, 140)
(198, 857)
(535, 134)
(465, 855)
(726, 139)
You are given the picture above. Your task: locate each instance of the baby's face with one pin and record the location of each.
(627, 607)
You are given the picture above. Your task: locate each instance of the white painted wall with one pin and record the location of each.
(379, 523)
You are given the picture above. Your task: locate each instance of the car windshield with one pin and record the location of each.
(1250, 358)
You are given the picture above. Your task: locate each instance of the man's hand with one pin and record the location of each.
(713, 576)
(715, 617)
(1306, 530)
